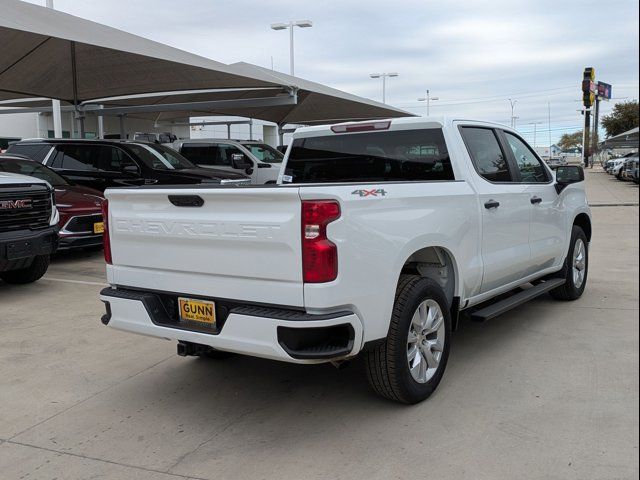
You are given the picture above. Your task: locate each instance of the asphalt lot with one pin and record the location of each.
(547, 391)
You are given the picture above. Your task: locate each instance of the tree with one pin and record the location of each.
(570, 140)
(624, 117)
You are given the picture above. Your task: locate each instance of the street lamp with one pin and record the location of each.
(428, 99)
(290, 25)
(383, 76)
(535, 131)
(513, 117)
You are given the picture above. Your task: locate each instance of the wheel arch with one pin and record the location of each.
(583, 221)
(439, 264)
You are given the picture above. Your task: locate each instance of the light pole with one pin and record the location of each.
(290, 25)
(55, 104)
(428, 99)
(513, 117)
(535, 131)
(383, 76)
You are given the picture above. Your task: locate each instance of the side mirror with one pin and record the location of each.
(568, 174)
(240, 162)
(131, 170)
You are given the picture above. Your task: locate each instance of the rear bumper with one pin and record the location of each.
(274, 333)
(18, 247)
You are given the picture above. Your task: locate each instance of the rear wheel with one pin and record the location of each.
(409, 365)
(575, 269)
(30, 274)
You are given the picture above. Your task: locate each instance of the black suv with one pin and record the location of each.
(101, 164)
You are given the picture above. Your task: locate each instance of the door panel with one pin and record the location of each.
(505, 226)
(505, 239)
(547, 232)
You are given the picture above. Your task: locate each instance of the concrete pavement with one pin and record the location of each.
(547, 391)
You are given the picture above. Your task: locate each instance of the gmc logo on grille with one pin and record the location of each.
(15, 204)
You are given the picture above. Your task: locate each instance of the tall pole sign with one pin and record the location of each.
(588, 98)
(603, 92)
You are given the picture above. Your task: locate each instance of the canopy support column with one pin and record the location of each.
(123, 133)
(100, 126)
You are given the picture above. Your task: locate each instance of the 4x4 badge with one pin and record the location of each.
(370, 193)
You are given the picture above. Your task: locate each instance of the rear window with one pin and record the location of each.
(404, 155)
(35, 152)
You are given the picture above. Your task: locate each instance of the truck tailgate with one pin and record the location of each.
(240, 244)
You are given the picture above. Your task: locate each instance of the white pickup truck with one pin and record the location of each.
(376, 237)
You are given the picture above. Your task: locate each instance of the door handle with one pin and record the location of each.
(491, 204)
(535, 200)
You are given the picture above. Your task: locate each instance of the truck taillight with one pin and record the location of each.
(105, 234)
(319, 254)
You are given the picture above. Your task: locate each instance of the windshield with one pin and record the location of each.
(264, 152)
(160, 157)
(32, 169)
(402, 155)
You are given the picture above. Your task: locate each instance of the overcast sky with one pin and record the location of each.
(472, 55)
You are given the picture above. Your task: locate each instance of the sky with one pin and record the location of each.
(472, 55)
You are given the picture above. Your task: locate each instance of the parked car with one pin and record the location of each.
(556, 162)
(617, 168)
(256, 159)
(378, 235)
(100, 164)
(80, 208)
(628, 172)
(612, 166)
(28, 228)
(607, 165)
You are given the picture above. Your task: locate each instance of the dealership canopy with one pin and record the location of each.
(628, 139)
(51, 54)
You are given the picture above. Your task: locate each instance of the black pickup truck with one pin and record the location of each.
(28, 228)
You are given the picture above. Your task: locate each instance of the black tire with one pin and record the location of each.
(30, 274)
(387, 364)
(569, 291)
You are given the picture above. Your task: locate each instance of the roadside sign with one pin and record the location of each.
(603, 91)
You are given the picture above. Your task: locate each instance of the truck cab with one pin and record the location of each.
(256, 159)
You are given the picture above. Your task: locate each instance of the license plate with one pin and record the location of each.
(201, 311)
(19, 250)
(98, 227)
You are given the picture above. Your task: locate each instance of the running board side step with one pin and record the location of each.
(498, 308)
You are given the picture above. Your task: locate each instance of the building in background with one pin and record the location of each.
(543, 152)
(17, 126)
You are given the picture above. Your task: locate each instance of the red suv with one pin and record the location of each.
(80, 207)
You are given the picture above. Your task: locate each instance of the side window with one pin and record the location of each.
(530, 166)
(200, 153)
(486, 154)
(114, 159)
(77, 157)
(34, 152)
(225, 151)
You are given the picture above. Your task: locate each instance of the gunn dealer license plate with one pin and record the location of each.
(98, 227)
(201, 311)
